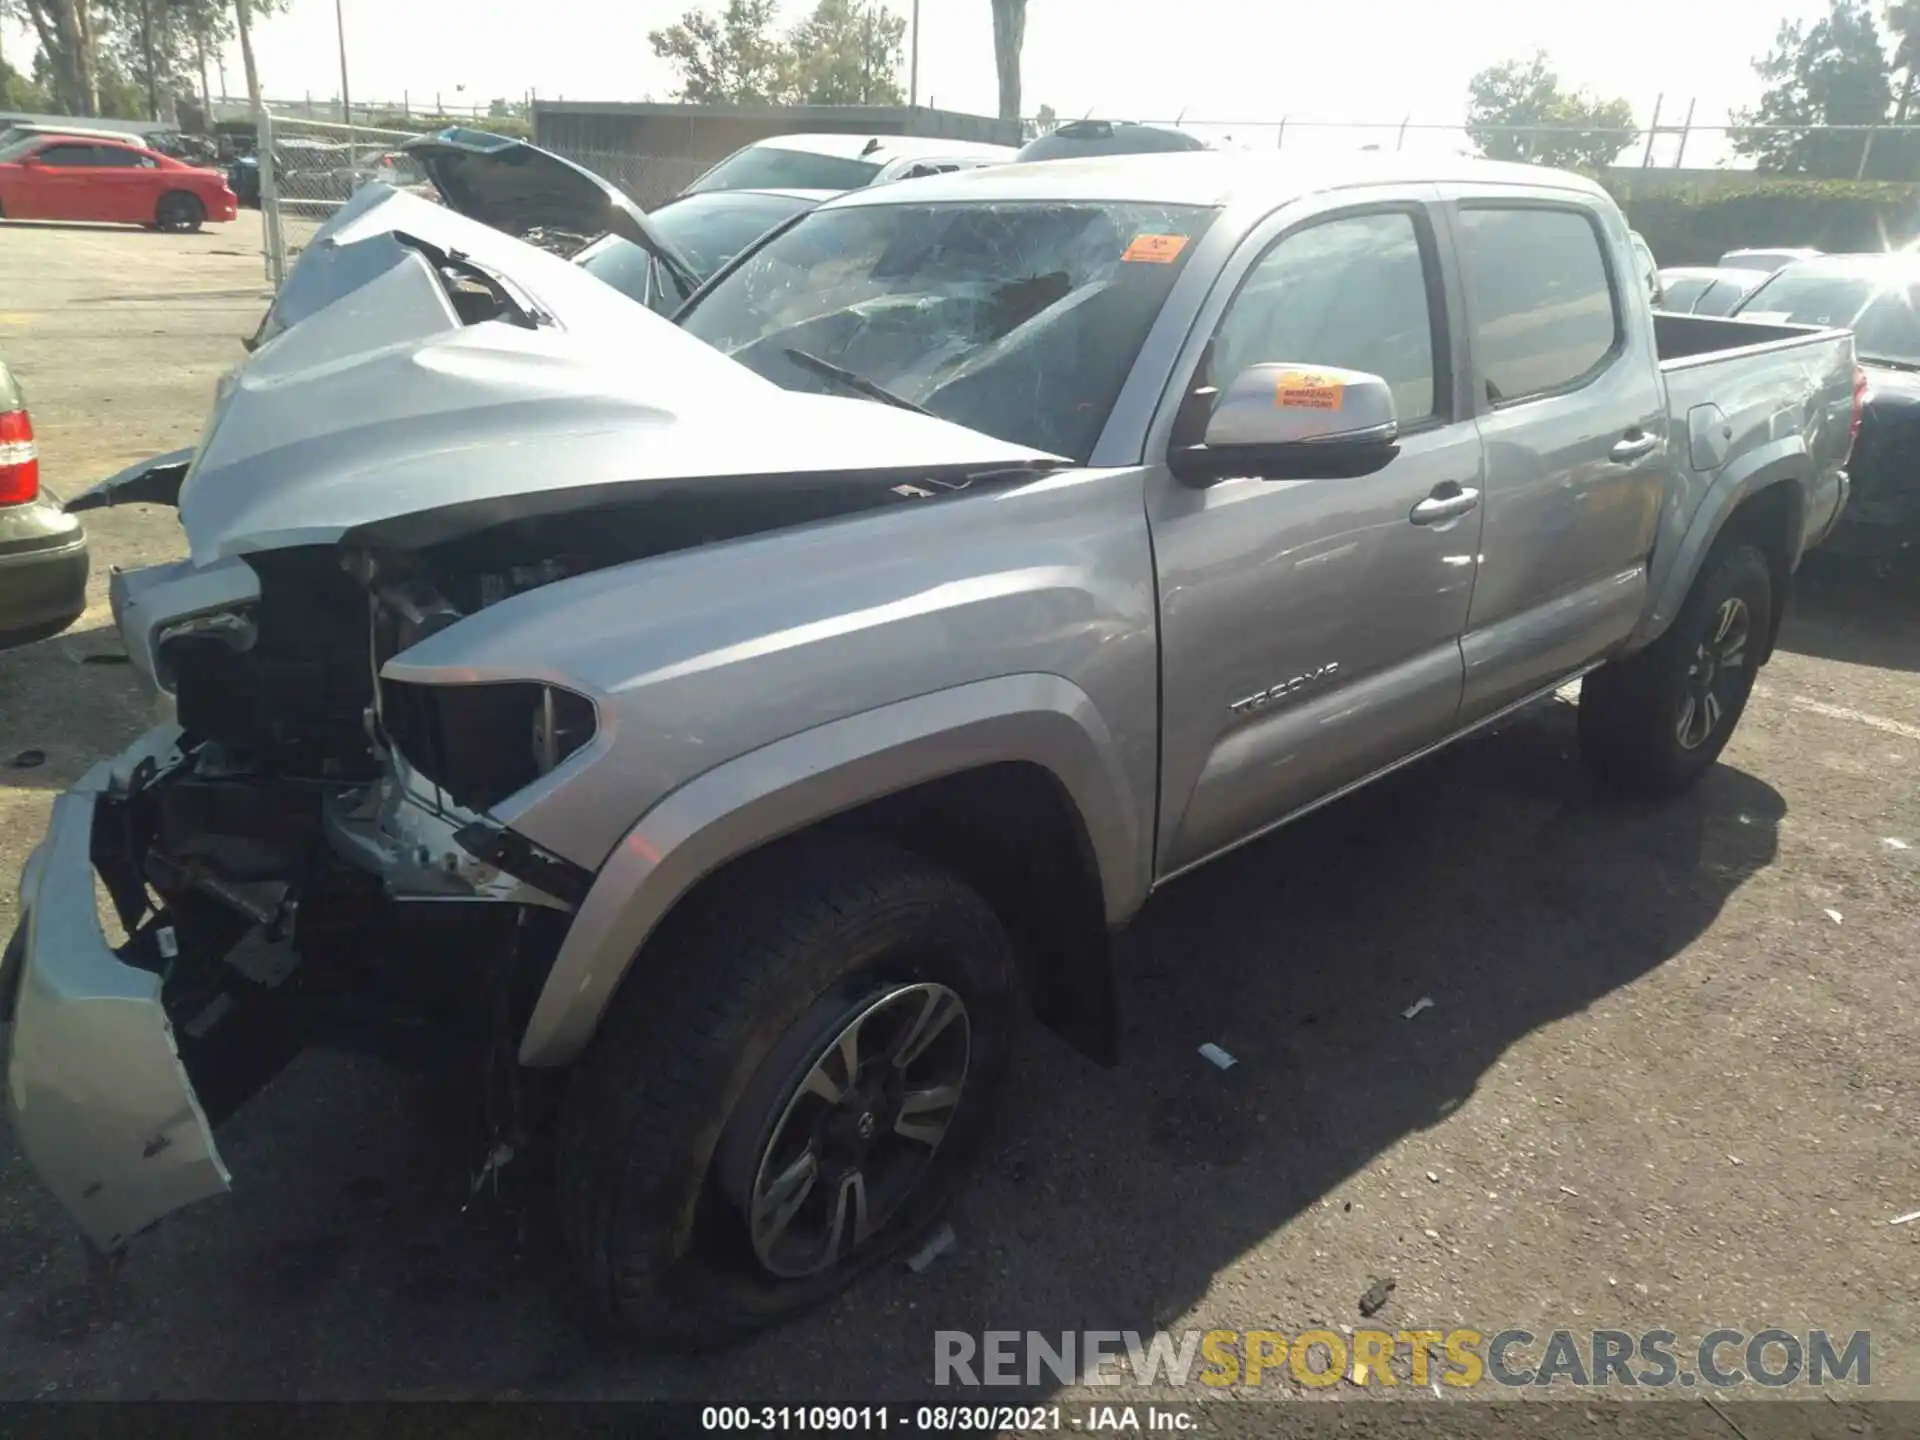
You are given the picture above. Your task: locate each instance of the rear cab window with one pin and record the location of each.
(1543, 304)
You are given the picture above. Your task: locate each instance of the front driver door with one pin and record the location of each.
(1310, 628)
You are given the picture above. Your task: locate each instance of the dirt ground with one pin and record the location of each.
(1670, 1077)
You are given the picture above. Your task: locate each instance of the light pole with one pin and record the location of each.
(913, 61)
(340, 26)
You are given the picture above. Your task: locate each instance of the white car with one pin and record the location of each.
(843, 162)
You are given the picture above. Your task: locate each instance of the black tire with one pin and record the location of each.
(179, 212)
(708, 1041)
(1635, 722)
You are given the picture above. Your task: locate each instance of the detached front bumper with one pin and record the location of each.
(96, 1090)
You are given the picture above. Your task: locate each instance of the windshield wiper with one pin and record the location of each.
(859, 384)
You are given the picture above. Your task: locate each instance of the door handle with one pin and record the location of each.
(1451, 505)
(1636, 446)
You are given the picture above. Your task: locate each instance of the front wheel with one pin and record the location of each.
(789, 1087)
(180, 212)
(1654, 723)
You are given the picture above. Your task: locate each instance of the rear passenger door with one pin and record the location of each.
(126, 185)
(1573, 415)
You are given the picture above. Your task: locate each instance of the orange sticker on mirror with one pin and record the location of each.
(1308, 390)
(1155, 249)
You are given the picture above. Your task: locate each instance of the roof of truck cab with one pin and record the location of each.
(1207, 177)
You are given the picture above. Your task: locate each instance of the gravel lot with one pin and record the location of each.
(1670, 1077)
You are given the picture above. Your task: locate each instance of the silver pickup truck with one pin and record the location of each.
(726, 725)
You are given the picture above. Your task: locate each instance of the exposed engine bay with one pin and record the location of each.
(318, 823)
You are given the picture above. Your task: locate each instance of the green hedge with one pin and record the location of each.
(1695, 225)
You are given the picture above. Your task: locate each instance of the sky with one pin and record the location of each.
(1242, 63)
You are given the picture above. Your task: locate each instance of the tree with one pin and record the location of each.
(1518, 111)
(65, 65)
(1903, 24)
(846, 53)
(1009, 36)
(731, 58)
(1832, 72)
(243, 22)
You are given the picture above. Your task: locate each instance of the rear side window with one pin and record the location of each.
(67, 156)
(1543, 310)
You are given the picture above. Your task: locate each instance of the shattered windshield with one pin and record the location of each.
(1019, 319)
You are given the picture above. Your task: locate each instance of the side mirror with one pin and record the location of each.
(1287, 422)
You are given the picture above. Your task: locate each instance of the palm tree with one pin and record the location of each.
(244, 16)
(1903, 19)
(1009, 34)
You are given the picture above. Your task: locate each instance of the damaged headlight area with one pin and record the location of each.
(483, 743)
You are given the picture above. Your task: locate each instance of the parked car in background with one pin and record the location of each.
(708, 230)
(1080, 138)
(43, 550)
(1649, 267)
(843, 162)
(1765, 261)
(1877, 297)
(1706, 289)
(656, 257)
(729, 726)
(56, 177)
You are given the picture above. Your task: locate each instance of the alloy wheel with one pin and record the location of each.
(1715, 675)
(856, 1130)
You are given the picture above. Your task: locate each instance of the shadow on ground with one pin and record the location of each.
(1492, 880)
(1856, 617)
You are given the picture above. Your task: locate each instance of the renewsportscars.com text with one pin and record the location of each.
(1461, 1358)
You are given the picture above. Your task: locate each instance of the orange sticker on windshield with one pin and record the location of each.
(1308, 390)
(1155, 249)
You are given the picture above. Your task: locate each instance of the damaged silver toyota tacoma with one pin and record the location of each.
(729, 724)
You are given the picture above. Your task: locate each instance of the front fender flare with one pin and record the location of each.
(783, 787)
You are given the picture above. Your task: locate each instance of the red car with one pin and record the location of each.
(72, 177)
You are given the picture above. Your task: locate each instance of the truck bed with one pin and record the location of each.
(1748, 367)
(1687, 340)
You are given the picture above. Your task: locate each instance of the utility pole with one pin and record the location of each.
(913, 61)
(340, 26)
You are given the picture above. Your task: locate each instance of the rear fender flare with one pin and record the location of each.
(790, 784)
(1785, 461)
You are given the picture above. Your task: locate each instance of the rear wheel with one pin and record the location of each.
(787, 1090)
(179, 212)
(1653, 724)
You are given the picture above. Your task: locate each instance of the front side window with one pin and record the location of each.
(1350, 292)
(1543, 311)
(111, 157)
(1019, 319)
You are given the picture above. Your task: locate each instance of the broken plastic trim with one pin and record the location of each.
(151, 482)
(513, 854)
(520, 310)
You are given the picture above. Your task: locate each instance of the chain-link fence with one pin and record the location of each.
(301, 171)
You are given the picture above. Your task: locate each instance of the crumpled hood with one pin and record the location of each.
(372, 400)
(515, 186)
